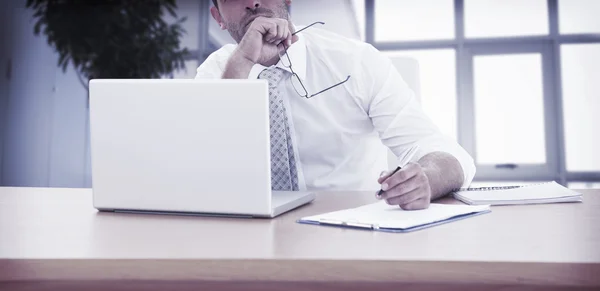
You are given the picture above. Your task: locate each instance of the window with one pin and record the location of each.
(190, 10)
(509, 109)
(580, 65)
(437, 85)
(517, 64)
(579, 16)
(410, 20)
(501, 18)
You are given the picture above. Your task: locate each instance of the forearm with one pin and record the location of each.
(443, 171)
(238, 67)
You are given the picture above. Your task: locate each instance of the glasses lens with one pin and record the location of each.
(298, 86)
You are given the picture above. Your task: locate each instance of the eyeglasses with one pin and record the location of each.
(296, 82)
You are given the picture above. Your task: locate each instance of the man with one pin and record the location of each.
(334, 101)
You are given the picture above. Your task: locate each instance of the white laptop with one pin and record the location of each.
(191, 147)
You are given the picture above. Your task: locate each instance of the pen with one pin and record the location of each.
(409, 155)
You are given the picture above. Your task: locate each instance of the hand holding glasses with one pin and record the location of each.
(296, 82)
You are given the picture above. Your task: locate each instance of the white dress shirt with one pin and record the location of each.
(340, 135)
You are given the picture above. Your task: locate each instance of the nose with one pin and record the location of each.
(251, 5)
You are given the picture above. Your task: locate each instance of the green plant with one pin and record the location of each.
(112, 38)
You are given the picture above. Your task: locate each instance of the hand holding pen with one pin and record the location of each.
(407, 186)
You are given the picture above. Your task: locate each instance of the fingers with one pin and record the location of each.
(274, 30)
(285, 36)
(271, 32)
(284, 33)
(406, 198)
(384, 175)
(288, 38)
(409, 171)
(409, 188)
(280, 32)
(274, 34)
(405, 187)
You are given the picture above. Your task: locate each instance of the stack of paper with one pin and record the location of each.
(383, 217)
(551, 192)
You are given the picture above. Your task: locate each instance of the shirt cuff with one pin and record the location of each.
(465, 160)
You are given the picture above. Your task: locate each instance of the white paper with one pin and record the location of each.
(382, 215)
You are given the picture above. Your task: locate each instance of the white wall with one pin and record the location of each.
(45, 116)
(68, 164)
(26, 133)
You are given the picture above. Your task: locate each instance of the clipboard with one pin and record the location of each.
(382, 217)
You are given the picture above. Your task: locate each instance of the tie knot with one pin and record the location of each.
(273, 75)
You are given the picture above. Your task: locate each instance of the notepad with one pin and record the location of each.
(382, 217)
(551, 192)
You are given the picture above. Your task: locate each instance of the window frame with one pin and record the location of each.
(552, 87)
(523, 171)
(204, 44)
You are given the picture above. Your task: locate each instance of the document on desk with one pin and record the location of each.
(383, 217)
(551, 192)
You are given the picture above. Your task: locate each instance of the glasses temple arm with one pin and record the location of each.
(340, 83)
(318, 22)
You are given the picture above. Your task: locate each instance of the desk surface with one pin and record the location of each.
(56, 234)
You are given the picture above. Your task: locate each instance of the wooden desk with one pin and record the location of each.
(53, 239)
